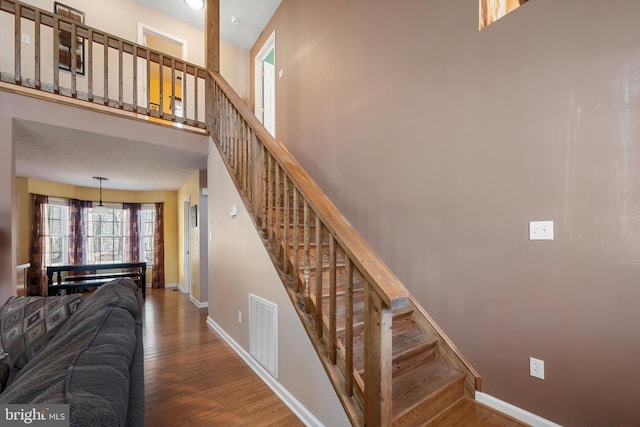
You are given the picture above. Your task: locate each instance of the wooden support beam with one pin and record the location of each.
(212, 46)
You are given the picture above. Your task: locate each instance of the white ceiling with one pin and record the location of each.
(252, 16)
(72, 157)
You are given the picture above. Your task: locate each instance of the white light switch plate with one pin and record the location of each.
(541, 230)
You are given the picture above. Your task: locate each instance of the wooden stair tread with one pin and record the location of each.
(470, 413)
(434, 384)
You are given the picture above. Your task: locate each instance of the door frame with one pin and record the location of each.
(144, 29)
(262, 54)
(186, 250)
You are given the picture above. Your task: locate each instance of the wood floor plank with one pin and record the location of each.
(193, 378)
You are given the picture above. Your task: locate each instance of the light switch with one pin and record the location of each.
(541, 230)
(233, 211)
(26, 39)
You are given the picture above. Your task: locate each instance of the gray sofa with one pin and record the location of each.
(90, 356)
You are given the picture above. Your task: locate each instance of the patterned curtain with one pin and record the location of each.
(157, 275)
(78, 212)
(37, 284)
(132, 243)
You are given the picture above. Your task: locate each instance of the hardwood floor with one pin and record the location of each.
(193, 378)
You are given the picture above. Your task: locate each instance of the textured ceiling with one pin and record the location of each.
(252, 16)
(73, 157)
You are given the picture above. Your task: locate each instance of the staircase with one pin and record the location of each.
(388, 361)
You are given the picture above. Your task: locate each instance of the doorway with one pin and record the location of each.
(186, 259)
(265, 84)
(170, 45)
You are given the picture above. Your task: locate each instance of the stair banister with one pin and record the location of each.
(257, 163)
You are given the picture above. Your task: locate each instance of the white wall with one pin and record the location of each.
(239, 265)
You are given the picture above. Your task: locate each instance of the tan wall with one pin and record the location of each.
(239, 265)
(27, 186)
(191, 190)
(440, 142)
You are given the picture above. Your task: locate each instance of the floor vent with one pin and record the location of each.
(263, 333)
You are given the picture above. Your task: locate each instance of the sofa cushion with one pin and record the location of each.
(87, 364)
(27, 324)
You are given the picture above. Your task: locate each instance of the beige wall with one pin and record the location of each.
(191, 190)
(27, 186)
(440, 142)
(239, 265)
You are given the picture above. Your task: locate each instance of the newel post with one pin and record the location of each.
(377, 360)
(212, 50)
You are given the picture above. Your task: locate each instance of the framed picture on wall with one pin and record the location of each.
(64, 39)
(194, 215)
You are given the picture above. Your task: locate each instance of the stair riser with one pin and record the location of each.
(428, 409)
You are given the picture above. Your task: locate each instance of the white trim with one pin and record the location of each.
(170, 285)
(198, 303)
(257, 71)
(287, 398)
(142, 28)
(513, 411)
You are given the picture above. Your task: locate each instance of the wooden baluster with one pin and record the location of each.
(265, 188)
(17, 43)
(348, 321)
(307, 257)
(249, 171)
(37, 41)
(90, 67)
(333, 335)
(120, 76)
(74, 59)
(270, 195)
(148, 82)
(185, 93)
(319, 322)
(286, 202)
(56, 54)
(105, 40)
(161, 84)
(377, 360)
(278, 207)
(245, 156)
(195, 98)
(173, 90)
(135, 78)
(295, 235)
(236, 143)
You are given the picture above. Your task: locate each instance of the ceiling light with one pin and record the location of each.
(100, 209)
(195, 4)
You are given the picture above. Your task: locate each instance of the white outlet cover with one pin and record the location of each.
(541, 230)
(536, 368)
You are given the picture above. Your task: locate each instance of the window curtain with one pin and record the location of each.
(157, 274)
(132, 243)
(37, 249)
(78, 224)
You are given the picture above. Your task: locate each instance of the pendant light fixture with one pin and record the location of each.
(100, 209)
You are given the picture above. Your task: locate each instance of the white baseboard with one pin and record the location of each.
(513, 411)
(198, 303)
(170, 285)
(287, 398)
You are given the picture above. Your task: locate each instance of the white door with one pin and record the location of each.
(265, 84)
(186, 285)
(269, 97)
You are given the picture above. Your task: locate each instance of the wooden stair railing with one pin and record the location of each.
(388, 361)
(112, 71)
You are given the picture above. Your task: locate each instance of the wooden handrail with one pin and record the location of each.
(386, 284)
(113, 74)
(284, 200)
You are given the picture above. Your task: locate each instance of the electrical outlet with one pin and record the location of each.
(239, 317)
(26, 39)
(536, 368)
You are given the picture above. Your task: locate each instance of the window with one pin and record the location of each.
(105, 237)
(147, 221)
(57, 235)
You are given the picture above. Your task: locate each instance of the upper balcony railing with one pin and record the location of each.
(36, 52)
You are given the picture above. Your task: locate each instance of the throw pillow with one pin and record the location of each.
(28, 323)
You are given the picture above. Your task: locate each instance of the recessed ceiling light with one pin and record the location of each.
(195, 4)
